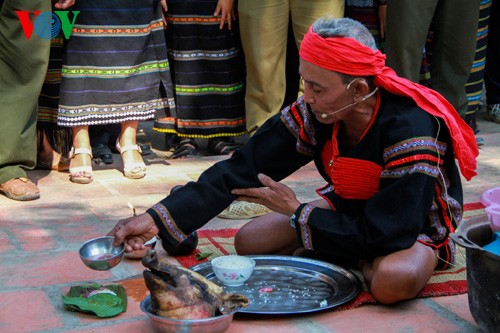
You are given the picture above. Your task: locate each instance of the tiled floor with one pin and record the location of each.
(39, 261)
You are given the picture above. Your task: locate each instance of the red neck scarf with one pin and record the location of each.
(348, 56)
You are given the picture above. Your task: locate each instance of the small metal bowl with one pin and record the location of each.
(217, 324)
(100, 254)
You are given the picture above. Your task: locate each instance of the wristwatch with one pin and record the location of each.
(292, 220)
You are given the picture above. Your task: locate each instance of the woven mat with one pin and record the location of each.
(443, 283)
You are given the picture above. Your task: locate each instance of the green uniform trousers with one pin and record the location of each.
(453, 44)
(23, 65)
(264, 31)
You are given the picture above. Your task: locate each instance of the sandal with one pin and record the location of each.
(21, 189)
(185, 148)
(80, 174)
(222, 146)
(133, 170)
(171, 141)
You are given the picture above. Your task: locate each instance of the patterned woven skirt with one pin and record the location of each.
(208, 72)
(58, 137)
(474, 85)
(116, 66)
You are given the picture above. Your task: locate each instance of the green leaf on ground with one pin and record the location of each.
(200, 256)
(103, 301)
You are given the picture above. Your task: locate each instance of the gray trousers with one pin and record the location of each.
(453, 46)
(23, 65)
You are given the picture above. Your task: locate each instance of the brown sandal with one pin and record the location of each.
(21, 189)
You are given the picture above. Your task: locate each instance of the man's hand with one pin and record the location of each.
(275, 196)
(165, 9)
(226, 9)
(63, 4)
(134, 232)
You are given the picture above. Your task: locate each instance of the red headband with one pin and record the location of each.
(348, 56)
(341, 54)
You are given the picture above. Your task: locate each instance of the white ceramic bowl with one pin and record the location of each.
(233, 270)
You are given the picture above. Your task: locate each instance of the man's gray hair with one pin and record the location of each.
(344, 27)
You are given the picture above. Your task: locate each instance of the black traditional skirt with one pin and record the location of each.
(208, 72)
(115, 66)
(58, 137)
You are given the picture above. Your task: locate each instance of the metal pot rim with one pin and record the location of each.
(461, 234)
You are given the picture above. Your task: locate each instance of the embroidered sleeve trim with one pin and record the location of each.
(305, 231)
(323, 191)
(430, 170)
(168, 223)
(412, 145)
(418, 157)
(420, 154)
(296, 119)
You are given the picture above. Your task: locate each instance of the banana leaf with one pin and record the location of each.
(102, 300)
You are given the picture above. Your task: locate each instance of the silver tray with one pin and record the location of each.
(290, 285)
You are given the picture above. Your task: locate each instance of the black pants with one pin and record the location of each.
(492, 70)
(103, 134)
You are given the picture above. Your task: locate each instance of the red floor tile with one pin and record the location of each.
(28, 311)
(39, 260)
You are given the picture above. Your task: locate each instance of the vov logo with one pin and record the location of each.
(46, 25)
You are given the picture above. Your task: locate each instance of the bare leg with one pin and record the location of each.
(269, 234)
(392, 278)
(400, 275)
(127, 137)
(81, 160)
(48, 158)
(133, 164)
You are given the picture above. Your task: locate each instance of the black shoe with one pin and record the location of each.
(145, 149)
(186, 148)
(222, 146)
(103, 152)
